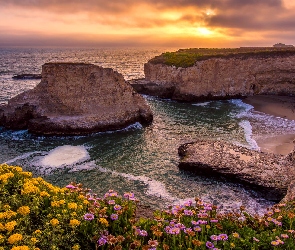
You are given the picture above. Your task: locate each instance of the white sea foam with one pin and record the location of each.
(246, 107)
(248, 134)
(84, 166)
(64, 155)
(154, 187)
(23, 156)
(201, 104)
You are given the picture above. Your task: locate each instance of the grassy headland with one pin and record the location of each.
(188, 57)
(35, 215)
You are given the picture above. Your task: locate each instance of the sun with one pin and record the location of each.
(204, 31)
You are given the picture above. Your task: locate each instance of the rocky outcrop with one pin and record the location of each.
(267, 173)
(76, 98)
(222, 77)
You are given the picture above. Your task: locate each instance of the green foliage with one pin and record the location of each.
(36, 215)
(188, 57)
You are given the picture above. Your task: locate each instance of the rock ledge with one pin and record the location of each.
(267, 173)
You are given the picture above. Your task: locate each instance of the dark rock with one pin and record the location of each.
(267, 173)
(27, 76)
(147, 88)
(76, 98)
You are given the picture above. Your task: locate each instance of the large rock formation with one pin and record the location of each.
(268, 173)
(221, 77)
(76, 98)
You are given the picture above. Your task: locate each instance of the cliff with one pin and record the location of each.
(219, 76)
(76, 98)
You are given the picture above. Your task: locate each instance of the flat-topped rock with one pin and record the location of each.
(76, 98)
(219, 74)
(265, 172)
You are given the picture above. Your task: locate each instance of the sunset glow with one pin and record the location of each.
(147, 23)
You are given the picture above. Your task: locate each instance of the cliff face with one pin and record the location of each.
(225, 77)
(75, 98)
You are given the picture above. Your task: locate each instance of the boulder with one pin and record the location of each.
(267, 173)
(76, 98)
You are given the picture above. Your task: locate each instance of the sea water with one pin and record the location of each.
(137, 159)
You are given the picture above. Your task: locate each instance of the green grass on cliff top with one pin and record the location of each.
(188, 57)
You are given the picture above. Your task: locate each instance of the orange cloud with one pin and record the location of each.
(219, 22)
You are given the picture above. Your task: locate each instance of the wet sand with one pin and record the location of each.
(280, 106)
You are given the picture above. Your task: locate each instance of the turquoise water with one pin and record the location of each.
(139, 159)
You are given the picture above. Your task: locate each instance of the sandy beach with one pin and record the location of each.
(280, 106)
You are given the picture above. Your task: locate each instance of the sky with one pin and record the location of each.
(157, 23)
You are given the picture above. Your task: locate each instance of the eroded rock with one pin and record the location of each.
(76, 98)
(267, 173)
(221, 77)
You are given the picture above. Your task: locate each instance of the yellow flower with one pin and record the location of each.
(44, 193)
(232, 245)
(54, 204)
(74, 223)
(4, 177)
(236, 235)
(17, 169)
(9, 214)
(24, 210)
(62, 202)
(34, 240)
(76, 247)
(74, 214)
(208, 226)
(14, 238)
(85, 202)
(54, 222)
(36, 248)
(9, 226)
(37, 231)
(58, 203)
(72, 205)
(6, 207)
(29, 188)
(20, 248)
(104, 221)
(27, 174)
(81, 197)
(2, 227)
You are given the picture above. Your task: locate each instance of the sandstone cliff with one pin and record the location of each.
(222, 77)
(76, 98)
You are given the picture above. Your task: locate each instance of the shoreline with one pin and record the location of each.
(279, 106)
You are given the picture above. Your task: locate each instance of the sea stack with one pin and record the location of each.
(74, 99)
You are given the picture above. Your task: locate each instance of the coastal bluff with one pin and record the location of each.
(267, 173)
(74, 99)
(208, 74)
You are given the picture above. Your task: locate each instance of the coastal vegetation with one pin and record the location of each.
(188, 57)
(35, 215)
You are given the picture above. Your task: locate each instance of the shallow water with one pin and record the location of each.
(139, 159)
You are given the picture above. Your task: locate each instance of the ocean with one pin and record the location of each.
(137, 159)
